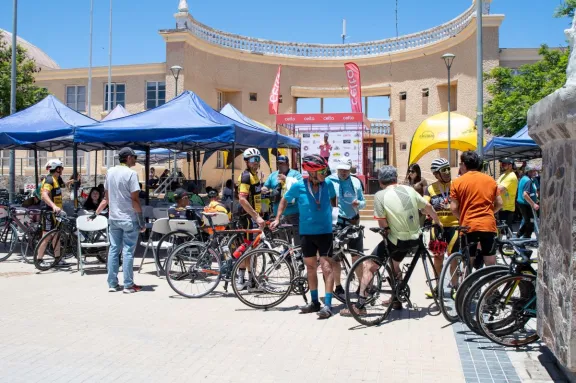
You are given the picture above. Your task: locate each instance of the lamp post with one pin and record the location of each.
(448, 60)
(13, 84)
(176, 73)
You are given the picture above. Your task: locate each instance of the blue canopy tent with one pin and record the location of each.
(519, 147)
(185, 123)
(44, 125)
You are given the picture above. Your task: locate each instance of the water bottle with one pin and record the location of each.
(239, 251)
(226, 252)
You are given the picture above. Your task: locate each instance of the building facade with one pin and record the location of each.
(226, 68)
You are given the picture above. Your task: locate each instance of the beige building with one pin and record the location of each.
(226, 68)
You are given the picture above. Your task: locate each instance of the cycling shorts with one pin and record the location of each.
(396, 251)
(317, 244)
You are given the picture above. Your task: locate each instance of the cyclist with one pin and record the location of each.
(315, 197)
(508, 186)
(350, 201)
(396, 208)
(278, 183)
(249, 194)
(474, 199)
(438, 195)
(51, 195)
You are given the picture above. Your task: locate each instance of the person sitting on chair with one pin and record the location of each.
(216, 206)
(182, 209)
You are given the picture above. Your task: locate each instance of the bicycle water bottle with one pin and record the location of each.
(240, 250)
(226, 252)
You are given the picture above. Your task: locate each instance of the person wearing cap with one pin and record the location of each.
(277, 184)
(325, 148)
(215, 206)
(507, 186)
(350, 202)
(182, 209)
(353, 171)
(122, 193)
(526, 199)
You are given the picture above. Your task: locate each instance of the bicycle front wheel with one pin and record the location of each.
(453, 274)
(369, 297)
(8, 239)
(49, 250)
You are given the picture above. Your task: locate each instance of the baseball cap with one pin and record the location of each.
(125, 152)
(345, 165)
(179, 194)
(282, 159)
(506, 160)
(530, 167)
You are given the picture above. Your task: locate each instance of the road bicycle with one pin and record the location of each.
(60, 242)
(380, 287)
(25, 231)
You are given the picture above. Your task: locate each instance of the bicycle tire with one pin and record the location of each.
(197, 269)
(496, 333)
(375, 288)
(445, 299)
(28, 244)
(262, 280)
(49, 236)
(471, 298)
(345, 269)
(162, 265)
(469, 281)
(432, 283)
(9, 238)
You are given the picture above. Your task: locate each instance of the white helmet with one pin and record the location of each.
(251, 152)
(438, 164)
(53, 164)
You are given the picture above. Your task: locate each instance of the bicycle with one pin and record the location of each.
(383, 282)
(343, 234)
(26, 231)
(64, 235)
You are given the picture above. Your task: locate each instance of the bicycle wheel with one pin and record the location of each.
(431, 276)
(49, 242)
(167, 244)
(469, 281)
(28, 243)
(8, 240)
(507, 310)
(472, 297)
(453, 273)
(193, 270)
(371, 306)
(345, 270)
(270, 281)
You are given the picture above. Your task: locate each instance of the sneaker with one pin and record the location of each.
(312, 307)
(348, 313)
(44, 265)
(240, 283)
(114, 289)
(62, 263)
(324, 313)
(429, 294)
(132, 289)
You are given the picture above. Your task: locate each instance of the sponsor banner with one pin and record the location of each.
(336, 146)
(275, 93)
(354, 87)
(319, 118)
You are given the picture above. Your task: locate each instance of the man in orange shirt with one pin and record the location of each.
(474, 201)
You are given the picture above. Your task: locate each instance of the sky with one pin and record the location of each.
(61, 28)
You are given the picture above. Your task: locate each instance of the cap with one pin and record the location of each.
(282, 159)
(125, 152)
(506, 160)
(179, 194)
(345, 165)
(530, 167)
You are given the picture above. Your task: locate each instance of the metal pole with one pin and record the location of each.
(480, 78)
(233, 179)
(176, 88)
(75, 174)
(12, 176)
(95, 168)
(89, 96)
(147, 170)
(36, 178)
(110, 62)
(194, 159)
(449, 133)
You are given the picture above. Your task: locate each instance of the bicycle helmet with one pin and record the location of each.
(251, 152)
(314, 163)
(53, 164)
(212, 194)
(438, 164)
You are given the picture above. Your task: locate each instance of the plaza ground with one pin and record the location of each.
(59, 326)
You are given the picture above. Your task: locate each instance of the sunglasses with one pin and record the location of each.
(445, 171)
(412, 171)
(322, 172)
(253, 159)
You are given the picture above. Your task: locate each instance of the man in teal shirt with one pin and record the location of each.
(278, 183)
(350, 202)
(527, 201)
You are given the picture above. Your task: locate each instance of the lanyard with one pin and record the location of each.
(444, 191)
(319, 200)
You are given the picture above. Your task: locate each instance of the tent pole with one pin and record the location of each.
(75, 175)
(194, 155)
(147, 170)
(36, 166)
(95, 168)
(494, 160)
(233, 179)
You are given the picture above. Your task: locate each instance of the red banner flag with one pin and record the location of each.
(354, 87)
(275, 94)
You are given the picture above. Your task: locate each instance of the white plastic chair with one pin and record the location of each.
(83, 224)
(148, 213)
(160, 227)
(160, 212)
(183, 225)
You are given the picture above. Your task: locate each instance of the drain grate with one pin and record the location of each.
(15, 274)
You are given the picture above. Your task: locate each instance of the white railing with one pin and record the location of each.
(333, 51)
(380, 127)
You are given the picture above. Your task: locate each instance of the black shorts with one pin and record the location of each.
(246, 222)
(486, 240)
(48, 221)
(396, 251)
(316, 244)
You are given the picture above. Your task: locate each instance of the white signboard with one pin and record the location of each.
(28, 187)
(334, 146)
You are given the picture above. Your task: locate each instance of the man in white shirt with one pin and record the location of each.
(126, 220)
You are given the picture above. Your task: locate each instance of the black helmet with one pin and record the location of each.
(212, 194)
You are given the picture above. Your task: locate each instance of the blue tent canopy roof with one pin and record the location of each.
(520, 146)
(117, 112)
(41, 126)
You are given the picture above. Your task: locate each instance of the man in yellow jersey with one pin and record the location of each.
(51, 195)
(507, 186)
(249, 193)
(438, 195)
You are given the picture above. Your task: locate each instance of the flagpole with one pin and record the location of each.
(89, 96)
(12, 183)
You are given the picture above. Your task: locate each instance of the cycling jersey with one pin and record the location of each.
(53, 186)
(217, 207)
(437, 194)
(250, 187)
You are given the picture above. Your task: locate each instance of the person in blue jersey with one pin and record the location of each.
(315, 197)
(350, 202)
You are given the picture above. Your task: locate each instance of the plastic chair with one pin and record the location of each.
(148, 213)
(160, 227)
(83, 224)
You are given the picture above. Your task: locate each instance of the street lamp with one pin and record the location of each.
(176, 73)
(448, 60)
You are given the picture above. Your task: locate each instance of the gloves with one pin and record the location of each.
(141, 221)
(93, 217)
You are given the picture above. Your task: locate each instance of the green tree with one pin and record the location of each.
(514, 93)
(566, 9)
(27, 93)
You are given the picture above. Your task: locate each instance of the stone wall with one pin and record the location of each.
(552, 124)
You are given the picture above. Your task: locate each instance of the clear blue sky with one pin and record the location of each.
(61, 28)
